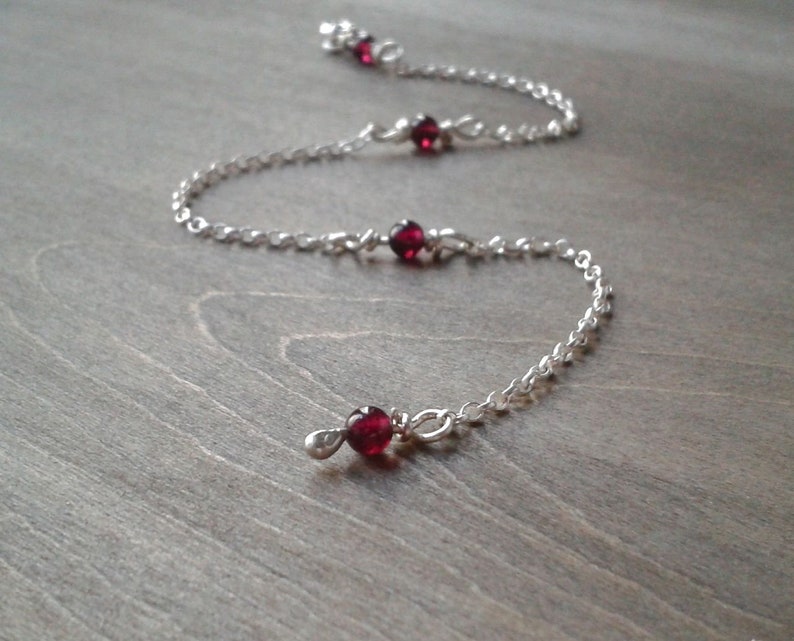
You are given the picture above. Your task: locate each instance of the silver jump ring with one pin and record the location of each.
(445, 420)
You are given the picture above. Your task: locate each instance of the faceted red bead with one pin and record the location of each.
(424, 132)
(406, 239)
(363, 51)
(369, 430)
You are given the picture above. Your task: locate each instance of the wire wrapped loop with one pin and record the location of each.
(389, 52)
(444, 421)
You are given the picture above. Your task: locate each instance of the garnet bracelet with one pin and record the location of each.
(369, 430)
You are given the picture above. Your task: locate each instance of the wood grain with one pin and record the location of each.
(155, 389)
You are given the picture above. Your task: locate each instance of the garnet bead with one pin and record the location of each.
(363, 51)
(424, 132)
(369, 430)
(406, 239)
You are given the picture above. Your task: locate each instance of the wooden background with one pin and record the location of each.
(155, 389)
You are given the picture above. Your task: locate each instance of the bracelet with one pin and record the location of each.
(369, 430)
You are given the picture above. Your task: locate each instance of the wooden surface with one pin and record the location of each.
(155, 389)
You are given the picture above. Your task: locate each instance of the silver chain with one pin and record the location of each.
(435, 424)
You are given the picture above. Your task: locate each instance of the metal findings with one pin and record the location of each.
(442, 422)
(370, 430)
(322, 443)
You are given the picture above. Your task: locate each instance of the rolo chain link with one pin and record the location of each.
(369, 430)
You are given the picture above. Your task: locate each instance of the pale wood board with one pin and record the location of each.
(155, 389)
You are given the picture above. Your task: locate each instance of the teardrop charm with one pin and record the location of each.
(322, 443)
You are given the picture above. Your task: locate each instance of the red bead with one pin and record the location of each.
(406, 239)
(363, 51)
(424, 132)
(369, 430)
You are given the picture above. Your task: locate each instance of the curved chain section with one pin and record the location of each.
(192, 188)
(437, 424)
(344, 36)
(428, 425)
(561, 354)
(520, 388)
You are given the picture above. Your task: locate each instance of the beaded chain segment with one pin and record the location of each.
(369, 430)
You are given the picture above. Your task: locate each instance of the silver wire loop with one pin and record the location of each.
(388, 52)
(468, 127)
(337, 35)
(402, 427)
(444, 421)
